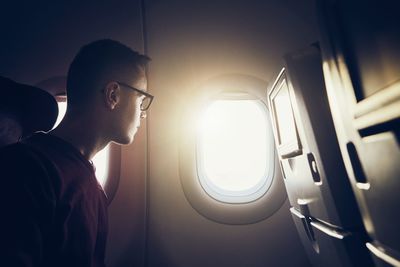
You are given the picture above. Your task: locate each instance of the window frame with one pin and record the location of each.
(221, 212)
(259, 189)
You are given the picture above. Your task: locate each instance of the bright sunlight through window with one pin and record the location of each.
(234, 150)
(101, 160)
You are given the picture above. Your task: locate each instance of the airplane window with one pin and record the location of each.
(101, 160)
(232, 150)
(62, 108)
(228, 166)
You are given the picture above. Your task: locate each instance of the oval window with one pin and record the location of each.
(235, 158)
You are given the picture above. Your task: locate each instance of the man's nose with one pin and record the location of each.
(143, 114)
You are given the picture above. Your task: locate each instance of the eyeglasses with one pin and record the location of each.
(148, 98)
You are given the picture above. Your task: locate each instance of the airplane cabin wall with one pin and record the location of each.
(192, 42)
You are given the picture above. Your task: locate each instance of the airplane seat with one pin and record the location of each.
(323, 205)
(360, 43)
(24, 110)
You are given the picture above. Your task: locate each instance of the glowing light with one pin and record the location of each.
(232, 147)
(62, 108)
(101, 162)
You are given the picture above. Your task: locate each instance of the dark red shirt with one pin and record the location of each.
(53, 210)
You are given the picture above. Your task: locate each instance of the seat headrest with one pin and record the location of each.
(35, 109)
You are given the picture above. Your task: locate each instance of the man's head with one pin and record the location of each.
(24, 109)
(98, 81)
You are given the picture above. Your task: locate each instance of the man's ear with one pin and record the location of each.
(111, 95)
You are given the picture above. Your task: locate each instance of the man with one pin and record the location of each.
(24, 110)
(53, 209)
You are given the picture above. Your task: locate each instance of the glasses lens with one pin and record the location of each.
(145, 103)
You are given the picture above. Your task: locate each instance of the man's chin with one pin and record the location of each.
(126, 140)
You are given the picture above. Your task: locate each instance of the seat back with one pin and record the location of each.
(360, 42)
(324, 208)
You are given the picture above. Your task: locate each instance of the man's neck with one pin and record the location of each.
(82, 134)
